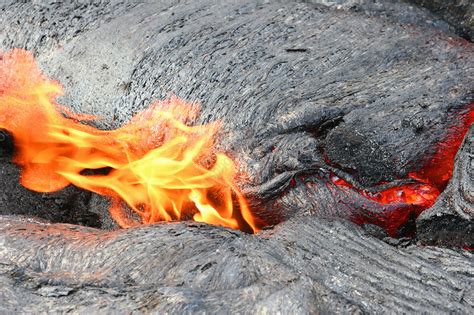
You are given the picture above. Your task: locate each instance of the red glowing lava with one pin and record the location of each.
(412, 199)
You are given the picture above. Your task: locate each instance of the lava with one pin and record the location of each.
(439, 169)
(411, 199)
(155, 168)
(159, 167)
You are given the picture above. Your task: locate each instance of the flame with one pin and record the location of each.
(156, 165)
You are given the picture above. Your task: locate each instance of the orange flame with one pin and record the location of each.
(159, 166)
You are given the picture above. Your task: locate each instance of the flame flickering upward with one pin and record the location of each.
(157, 165)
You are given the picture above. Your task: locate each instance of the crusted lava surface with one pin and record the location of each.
(332, 112)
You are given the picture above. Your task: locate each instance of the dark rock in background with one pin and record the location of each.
(366, 91)
(459, 13)
(453, 16)
(70, 205)
(6, 145)
(450, 222)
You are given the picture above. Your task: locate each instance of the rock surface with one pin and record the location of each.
(301, 266)
(304, 91)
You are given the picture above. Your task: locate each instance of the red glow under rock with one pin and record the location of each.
(439, 169)
(412, 199)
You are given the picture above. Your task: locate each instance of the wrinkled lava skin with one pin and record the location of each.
(305, 92)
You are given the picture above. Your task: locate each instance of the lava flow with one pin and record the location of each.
(156, 165)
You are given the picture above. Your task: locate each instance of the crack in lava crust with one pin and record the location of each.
(410, 200)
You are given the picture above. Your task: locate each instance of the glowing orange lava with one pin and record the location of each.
(156, 165)
(413, 194)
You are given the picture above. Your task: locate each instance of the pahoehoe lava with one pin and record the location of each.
(366, 93)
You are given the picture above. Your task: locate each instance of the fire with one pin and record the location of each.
(155, 168)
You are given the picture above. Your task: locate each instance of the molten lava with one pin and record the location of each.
(157, 165)
(417, 194)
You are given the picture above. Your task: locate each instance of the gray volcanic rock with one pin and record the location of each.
(301, 266)
(305, 92)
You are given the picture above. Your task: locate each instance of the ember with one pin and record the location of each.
(157, 164)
